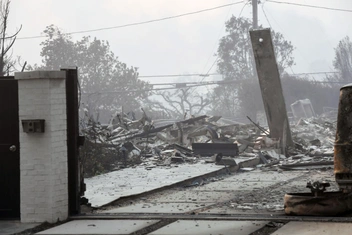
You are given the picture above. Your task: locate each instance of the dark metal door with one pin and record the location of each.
(9, 149)
(74, 181)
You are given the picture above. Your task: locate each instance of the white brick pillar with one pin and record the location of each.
(43, 156)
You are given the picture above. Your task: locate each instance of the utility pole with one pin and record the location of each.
(255, 13)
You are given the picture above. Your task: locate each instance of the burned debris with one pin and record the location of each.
(127, 141)
(301, 142)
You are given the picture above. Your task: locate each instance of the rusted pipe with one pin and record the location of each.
(328, 204)
(343, 141)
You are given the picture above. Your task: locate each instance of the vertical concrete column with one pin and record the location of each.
(270, 86)
(43, 156)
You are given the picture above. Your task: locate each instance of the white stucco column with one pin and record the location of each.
(43, 156)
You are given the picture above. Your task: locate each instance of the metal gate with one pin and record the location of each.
(75, 180)
(9, 150)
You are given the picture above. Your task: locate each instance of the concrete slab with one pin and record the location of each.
(249, 181)
(246, 208)
(210, 227)
(234, 186)
(193, 196)
(99, 227)
(259, 175)
(312, 228)
(223, 210)
(12, 227)
(157, 208)
(103, 189)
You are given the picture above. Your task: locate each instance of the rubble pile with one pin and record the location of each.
(213, 139)
(314, 143)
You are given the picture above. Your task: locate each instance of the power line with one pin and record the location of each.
(312, 6)
(222, 26)
(218, 74)
(211, 67)
(302, 54)
(316, 73)
(266, 16)
(160, 89)
(217, 57)
(216, 82)
(332, 82)
(178, 75)
(194, 84)
(140, 23)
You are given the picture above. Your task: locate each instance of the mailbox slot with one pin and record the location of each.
(33, 126)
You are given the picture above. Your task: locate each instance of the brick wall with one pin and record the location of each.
(43, 156)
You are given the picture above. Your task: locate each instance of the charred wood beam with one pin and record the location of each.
(209, 149)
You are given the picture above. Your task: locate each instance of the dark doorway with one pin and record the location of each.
(75, 182)
(9, 150)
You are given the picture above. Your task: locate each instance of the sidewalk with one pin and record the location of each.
(195, 227)
(208, 209)
(120, 227)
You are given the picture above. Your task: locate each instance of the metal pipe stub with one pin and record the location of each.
(310, 204)
(318, 202)
(343, 141)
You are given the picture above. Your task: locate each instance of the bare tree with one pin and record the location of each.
(182, 102)
(6, 41)
(343, 60)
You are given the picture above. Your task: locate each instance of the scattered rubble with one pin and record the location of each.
(207, 138)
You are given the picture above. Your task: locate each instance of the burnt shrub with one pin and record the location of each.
(96, 155)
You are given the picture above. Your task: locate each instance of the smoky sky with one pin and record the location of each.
(186, 44)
